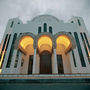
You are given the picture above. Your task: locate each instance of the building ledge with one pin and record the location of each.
(50, 76)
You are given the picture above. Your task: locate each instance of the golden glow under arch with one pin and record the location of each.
(26, 43)
(63, 43)
(45, 43)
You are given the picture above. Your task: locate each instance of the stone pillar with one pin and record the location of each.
(24, 68)
(37, 63)
(13, 61)
(34, 62)
(66, 63)
(54, 63)
(19, 63)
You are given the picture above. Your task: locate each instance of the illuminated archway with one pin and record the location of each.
(44, 43)
(63, 43)
(26, 44)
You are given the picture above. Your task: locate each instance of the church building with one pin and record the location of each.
(45, 48)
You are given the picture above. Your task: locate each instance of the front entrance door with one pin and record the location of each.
(60, 64)
(45, 63)
(30, 65)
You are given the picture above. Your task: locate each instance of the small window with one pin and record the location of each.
(12, 24)
(22, 62)
(79, 22)
(72, 21)
(20, 33)
(39, 29)
(45, 27)
(50, 29)
(18, 22)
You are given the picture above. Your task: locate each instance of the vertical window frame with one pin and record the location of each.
(79, 23)
(12, 24)
(50, 29)
(39, 30)
(11, 51)
(79, 50)
(45, 27)
(5, 40)
(60, 64)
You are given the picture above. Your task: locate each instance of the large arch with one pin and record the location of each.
(66, 39)
(25, 42)
(44, 43)
(44, 34)
(21, 36)
(64, 43)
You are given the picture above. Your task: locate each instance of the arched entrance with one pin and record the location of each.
(64, 45)
(45, 53)
(26, 46)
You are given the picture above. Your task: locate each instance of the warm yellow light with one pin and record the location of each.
(60, 48)
(89, 54)
(62, 40)
(45, 47)
(25, 41)
(45, 43)
(26, 45)
(2, 58)
(0, 70)
(29, 49)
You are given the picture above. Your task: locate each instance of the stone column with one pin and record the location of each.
(24, 68)
(54, 63)
(37, 63)
(19, 63)
(34, 62)
(13, 60)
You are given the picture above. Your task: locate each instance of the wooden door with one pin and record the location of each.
(45, 63)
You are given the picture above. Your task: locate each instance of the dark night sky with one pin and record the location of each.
(27, 9)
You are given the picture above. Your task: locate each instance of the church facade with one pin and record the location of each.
(45, 46)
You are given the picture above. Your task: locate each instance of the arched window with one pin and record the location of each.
(45, 27)
(39, 29)
(50, 30)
